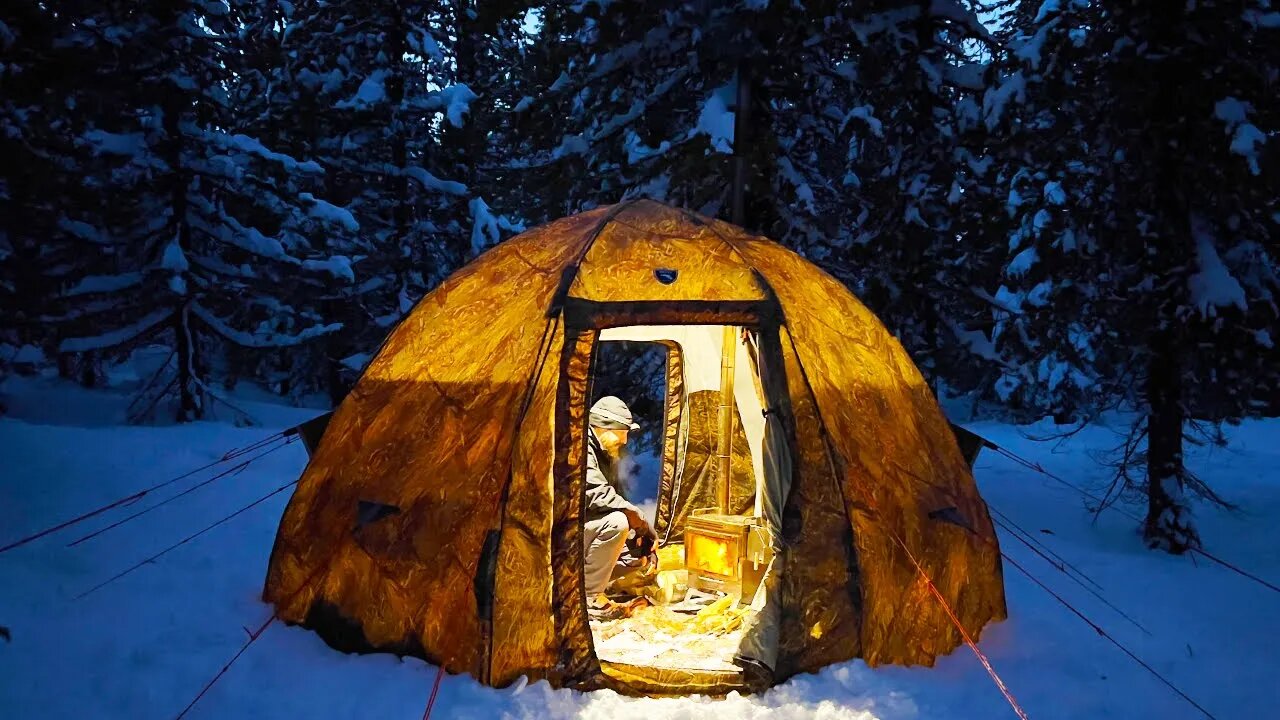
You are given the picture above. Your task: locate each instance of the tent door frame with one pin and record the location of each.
(578, 664)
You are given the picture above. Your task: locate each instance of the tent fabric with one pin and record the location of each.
(471, 419)
(698, 488)
(896, 460)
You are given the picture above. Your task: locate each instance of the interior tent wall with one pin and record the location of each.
(699, 347)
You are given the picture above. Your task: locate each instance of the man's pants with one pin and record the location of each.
(604, 541)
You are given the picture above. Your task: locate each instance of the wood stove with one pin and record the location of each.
(726, 553)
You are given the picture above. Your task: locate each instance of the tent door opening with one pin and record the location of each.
(705, 613)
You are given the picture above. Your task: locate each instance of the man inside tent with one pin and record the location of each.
(609, 516)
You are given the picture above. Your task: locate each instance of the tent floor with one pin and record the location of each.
(657, 651)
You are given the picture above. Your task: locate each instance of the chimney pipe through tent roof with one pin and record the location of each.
(724, 444)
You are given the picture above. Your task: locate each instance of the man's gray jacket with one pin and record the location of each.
(602, 494)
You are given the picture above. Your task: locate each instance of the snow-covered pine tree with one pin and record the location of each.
(52, 210)
(374, 87)
(1144, 212)
(1047, 301)
(630, 98)
(212, 233)
(272, 106)
(486, 46)
(911, 173)
(853, 116)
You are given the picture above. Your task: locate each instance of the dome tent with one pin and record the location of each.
(441, 514)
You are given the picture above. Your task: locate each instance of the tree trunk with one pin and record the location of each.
(741, 145)
(183, 333)
(188, 398)
(402, 211)
(472, 141)
(1168, 525)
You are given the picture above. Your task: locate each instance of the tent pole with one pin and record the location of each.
(724, 444)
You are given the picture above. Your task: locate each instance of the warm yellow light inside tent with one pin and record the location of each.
(715, 555)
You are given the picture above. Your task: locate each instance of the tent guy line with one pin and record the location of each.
(1037, 467)
(130, 499)
(253, 636)
(1091, 591)
(1098, 629)
(1062, 563)
(184, 541)
(232, 471)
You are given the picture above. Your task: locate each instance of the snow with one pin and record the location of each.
(250, 146)
(143, 646)
(250, 239)
(103, 284)
(864, 113)
(966, 75)
(456, 100)
(1231, 111)
(372, 90)
(357, 362)
(1245, 143)
(1041, 220)
(421, 42)
(82, 231)
(326, 83)
(431, 182)
(524, 104)
(1053, 193)
(1029, 50)
(485, 227)
(1213, 286)
(263, 339)
(716, 120)
(29, 354)
(1047, 8)
(115, 337)
(127, 144)
(1038, 296)
(1270, 20)
(638, 151)
(174, 259)
(1245, 136)
(1022, 262)
(804, 193)
(329, 212)
(338, 266)
(571, 145)
(994, 101)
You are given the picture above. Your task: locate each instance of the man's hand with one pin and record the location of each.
(641, 526)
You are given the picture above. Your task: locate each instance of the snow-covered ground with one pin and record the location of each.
(143, 646)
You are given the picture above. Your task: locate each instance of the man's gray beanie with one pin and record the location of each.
(611, 413)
